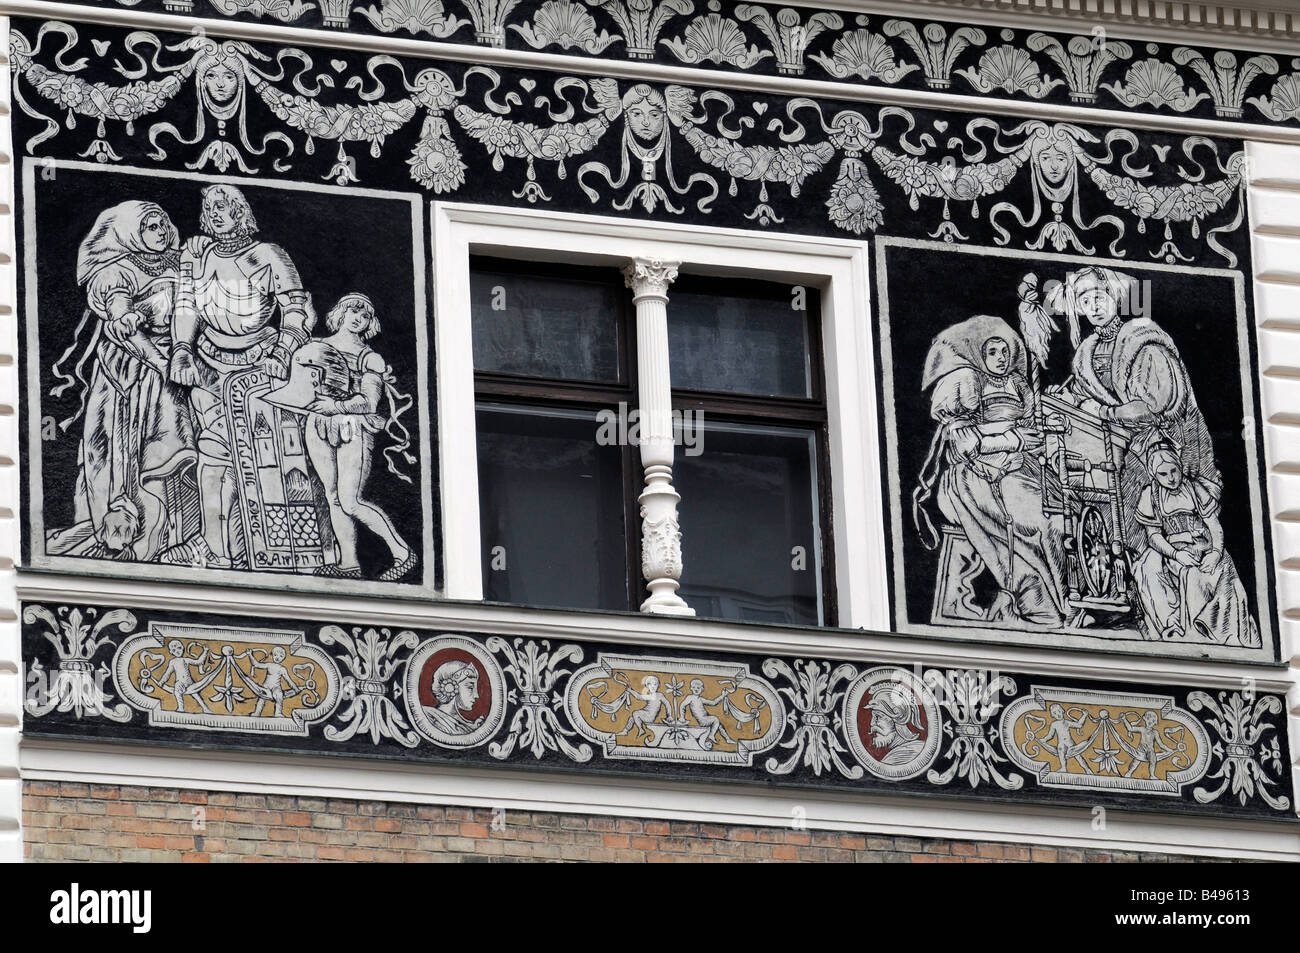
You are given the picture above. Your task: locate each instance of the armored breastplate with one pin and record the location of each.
(229, 300)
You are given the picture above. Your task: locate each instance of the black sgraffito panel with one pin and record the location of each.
(473, 698)
(1089, 67)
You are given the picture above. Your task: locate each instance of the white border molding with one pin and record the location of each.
(838, 264)
(1273, 194)
(569, 793)
(11, 679)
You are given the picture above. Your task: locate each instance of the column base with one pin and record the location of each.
(667, 608)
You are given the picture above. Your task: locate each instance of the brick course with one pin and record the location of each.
(76, 822)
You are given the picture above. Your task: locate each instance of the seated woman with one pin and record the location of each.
(1187, 583)
(991, 486)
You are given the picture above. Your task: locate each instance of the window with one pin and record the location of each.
(557, 508)
(733, 376)
(560, 474)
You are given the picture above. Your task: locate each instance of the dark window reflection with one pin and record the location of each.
(751, 548)
(545, 326)
(747, 337)
(550, 510)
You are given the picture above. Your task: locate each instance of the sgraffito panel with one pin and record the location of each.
(1089, 470)
(181, 679)
(230, 378)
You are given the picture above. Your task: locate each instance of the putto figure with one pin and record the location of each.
(248, 311)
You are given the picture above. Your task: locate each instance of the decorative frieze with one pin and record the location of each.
(183, 679)
(1095, 65)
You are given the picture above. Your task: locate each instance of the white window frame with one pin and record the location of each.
(838, 267)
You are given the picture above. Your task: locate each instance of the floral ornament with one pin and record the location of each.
(717, 39)
(77, 97)
(1283, 101)
(1083, 60)
(565, 24)
(413, 16)
(642, 21)
(1248, 745)
(854, 204)
(971, 700)
(505, 137)
(371, 661)
(489, 18)
(788, 36)
(814, 715)
(863, 54)
(76, 686)
(936, 50)
(1011, 70)
(369, 122)
(1155, 83)
(1227, 82)
(537, 673)
(948, 181)
(435, 163)
(789, 165)
(1191, 201)
(286, 11)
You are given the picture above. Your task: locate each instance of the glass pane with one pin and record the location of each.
(545, 326)
(751, 547)
(550, 510)
(740, 337)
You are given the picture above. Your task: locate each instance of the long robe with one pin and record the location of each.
(987, 486)
(137, 437)
(1190, 602)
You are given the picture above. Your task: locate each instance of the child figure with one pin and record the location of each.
(340, 435)
(1187, 583)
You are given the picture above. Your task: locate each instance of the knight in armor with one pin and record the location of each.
(248, 311)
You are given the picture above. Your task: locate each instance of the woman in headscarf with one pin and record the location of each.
(1186, 581)
(987, 477)
(137, 440)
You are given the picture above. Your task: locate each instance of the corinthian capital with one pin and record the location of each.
(650, 277)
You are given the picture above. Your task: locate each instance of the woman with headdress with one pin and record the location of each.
(1129, 372)
(1186, 581)
(988, 480)
(137, 439)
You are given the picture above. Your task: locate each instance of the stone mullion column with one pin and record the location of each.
(661, 538)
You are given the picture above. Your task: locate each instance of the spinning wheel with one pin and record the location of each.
(1092, 544)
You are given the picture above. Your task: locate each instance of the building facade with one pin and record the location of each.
(650, 429)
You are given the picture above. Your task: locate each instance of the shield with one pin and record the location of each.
(281, 501)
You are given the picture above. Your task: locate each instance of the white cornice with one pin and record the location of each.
(714, 803)
(643, 71)
(1259, 25)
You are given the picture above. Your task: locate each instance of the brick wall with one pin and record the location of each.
(79, 822)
